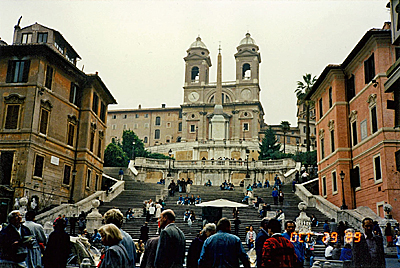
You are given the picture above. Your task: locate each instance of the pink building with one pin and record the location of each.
(355, 133)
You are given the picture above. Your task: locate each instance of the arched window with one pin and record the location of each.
(158, 121)
(178, 139)
(195, 74)
(246, 71)
(145, 140)
(157, 134)
(225, 98)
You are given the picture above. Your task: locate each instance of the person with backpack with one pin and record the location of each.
(277, 250)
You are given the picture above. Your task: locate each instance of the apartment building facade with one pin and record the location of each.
(355, 134)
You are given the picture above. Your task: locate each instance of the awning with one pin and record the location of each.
(109, 177)
(223, 203)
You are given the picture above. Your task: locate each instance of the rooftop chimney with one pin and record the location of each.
(140, 106)
(163, 105)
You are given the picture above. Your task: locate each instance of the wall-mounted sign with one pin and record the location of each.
(55, 160)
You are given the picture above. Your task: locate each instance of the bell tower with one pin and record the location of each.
(197, 64)
(248, 60)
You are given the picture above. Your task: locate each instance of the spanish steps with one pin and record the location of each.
(136, 192)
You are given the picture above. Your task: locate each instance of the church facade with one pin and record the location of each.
(194, 124)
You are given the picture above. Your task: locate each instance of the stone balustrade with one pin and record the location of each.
(83, 205)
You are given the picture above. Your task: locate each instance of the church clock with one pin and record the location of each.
(193, 96)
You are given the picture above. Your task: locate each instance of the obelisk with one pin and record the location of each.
(218, 131)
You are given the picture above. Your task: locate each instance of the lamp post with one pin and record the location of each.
(247, 163)
(133, 150)
(169, 163)
(313, 141)
(344, 206)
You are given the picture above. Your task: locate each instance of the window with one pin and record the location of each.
(44, 121)
(330, 97)
(97, 182)
(12, 116)
(42, 38)
(192, 128)
(74, 95)
(287, 139)
(180, 126)
(89, 175)
(26, 38)
(124, 116)
(332, 140)
(102, 111)
(245, 126)
(168, 125)
(99, 147)
(49, 77)
(369, 69)
(114, 127)
(114, 116)
(145, 140)
(135, 126)
(351, 88)
(146, 115)
(377, 168)
(67, 174)
(95, 104)
(305, 129)
(278, 138)
(324, 186)
(146, 125)
(322, 149)
(180, 114)
(321, 112)
(136, 115)
(158, 121)
(354, 132)
(157, 134)
(334, 182)
(39, 164)
(246, 71)
(71, 134)
(125, 126)
(91, 145)
(18, 71)
(195, 74)
(374, 120)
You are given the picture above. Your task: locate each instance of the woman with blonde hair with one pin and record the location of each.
(116, 255)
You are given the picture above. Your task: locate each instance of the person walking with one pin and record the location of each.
(369, 251)
(275, 195)
(149, 253)
(116, 217)
(144, 232)
(250, 237)
(34, 258)
(277, 250)
(171, 245)
(197, 244)
(223, 249)
(260, 239)
(281, 197)
(116, 255)
(58, 248)
(299, 247)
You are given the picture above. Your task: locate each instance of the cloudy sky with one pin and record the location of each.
(138, 46)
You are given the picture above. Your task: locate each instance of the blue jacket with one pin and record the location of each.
(260, 239)
(274, 193)
(299, 248)
(222, 250)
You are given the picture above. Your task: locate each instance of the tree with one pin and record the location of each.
(128, 137)
(269, 147)
(303, 87)
(285, 126)
(114, 156)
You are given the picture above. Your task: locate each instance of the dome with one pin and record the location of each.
(198, 44)
(247, 40)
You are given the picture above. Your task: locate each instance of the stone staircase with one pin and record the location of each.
(136, 192)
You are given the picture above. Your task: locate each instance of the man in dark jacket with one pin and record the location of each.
(368, 252)
(260, 239)
(14, 240)
(58, 248)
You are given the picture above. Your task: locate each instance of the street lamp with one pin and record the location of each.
(133, 150)
(169, 163)
(344, 206)
(247, 163)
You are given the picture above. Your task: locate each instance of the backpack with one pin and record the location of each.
(278, 252)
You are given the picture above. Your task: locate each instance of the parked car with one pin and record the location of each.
(82, 253)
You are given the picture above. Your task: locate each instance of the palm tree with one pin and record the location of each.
(303, 87)
(285, 126)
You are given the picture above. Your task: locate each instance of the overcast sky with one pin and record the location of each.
(138, 46)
